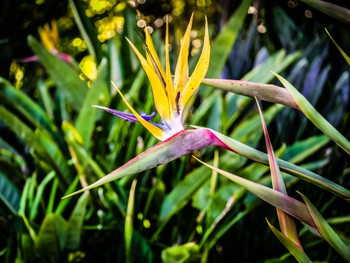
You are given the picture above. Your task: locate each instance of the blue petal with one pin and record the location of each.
(126, 116)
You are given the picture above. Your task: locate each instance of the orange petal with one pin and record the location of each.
(199, 72)
(181, 71)
(156, 131)
(168, 79)
(153, 53)
(159, 94)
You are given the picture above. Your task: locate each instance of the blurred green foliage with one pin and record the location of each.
(53, 143)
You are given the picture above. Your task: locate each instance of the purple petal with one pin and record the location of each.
(125, 116)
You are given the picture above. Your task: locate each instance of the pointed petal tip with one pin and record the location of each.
(98, 106)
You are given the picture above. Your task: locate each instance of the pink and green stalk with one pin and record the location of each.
(286, 222)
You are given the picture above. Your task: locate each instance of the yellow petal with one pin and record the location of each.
(45, 38)
(49, 36)
(153, 54)
(156, 131)
(168, 79)
(54, 32)
(181, 71)
(159, 93)
(199, 72)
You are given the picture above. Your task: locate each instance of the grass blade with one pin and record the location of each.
(128, 230)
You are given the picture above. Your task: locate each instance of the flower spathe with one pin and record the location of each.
(170, 93)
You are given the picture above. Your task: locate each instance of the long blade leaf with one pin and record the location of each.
(315, 117)
(267, 92)
(62, 74)
(298, 253)
(282, 201)
(326, 231)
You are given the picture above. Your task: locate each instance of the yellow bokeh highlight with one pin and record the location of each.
(17, 72)
(109, 17)
(100, 6)
(107, 27)
(88, 67)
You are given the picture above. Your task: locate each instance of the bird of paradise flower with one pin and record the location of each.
(49, 37)
(170, 95)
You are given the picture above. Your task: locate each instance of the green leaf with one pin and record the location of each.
(277, 62)
(182, 193)
(327, 231)
(128, 228)
(300, 150)
(223, 43)
(248, 131)
(9, 196)
(188, 252)
(46, 98)
(52, 237)
(24, 104)
(39, 195)
(22, 130)
(315, 117)
(298, 253)
(75, 223)
(84, 163)
(43, 144)
(115, 55)
(55, 157)
(98, 93)
(65, 77)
